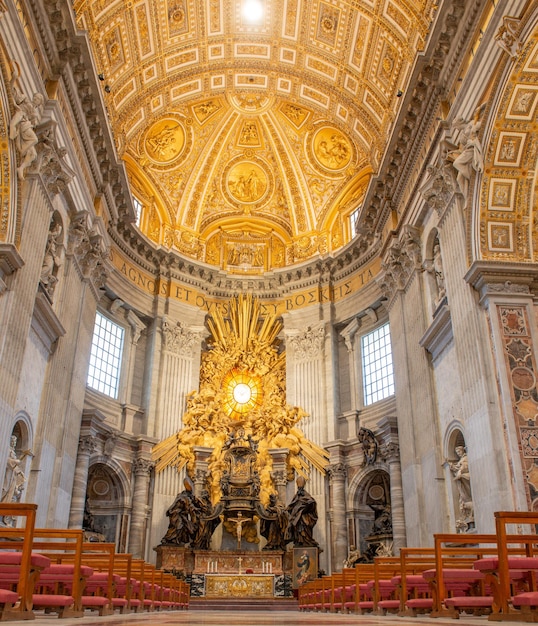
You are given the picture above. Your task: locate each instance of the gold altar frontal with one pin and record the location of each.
(239, 585)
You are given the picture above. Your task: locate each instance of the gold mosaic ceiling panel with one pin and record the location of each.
(249, 142)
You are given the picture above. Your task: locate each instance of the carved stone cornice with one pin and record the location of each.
(10, 262)
(143, 467)
(307, 344)
(179, 338)
(511, 280)
(402, 259)
(418, 109)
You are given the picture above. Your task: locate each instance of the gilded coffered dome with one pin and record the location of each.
(250, 139)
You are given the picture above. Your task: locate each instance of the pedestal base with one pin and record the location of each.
(175, 559)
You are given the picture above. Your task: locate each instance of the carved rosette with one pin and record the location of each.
(337, 472)
(402, 260)
(143, 467)
(309, 344)
(178, 338)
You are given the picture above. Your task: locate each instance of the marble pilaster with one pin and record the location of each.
(87, 446)
(142, 469)
(339, 542)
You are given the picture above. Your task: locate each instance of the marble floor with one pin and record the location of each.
(252, 618)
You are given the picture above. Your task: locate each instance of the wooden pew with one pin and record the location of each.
(415, 591)
(19, 568)
(457, 585)
(513, 571)
(358, 588)
(60, 586)
(386, 598)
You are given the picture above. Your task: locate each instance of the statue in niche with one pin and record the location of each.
(184, 517)
(302, 516)
(469, 155)
(52, 259)
(274, 524)
(435, 268)
(14, 478)
(27, 116)
(462, 478)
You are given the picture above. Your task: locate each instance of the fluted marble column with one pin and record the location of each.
(337, 481)
(86, 447)
(142, 469)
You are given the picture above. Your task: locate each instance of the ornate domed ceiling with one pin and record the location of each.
(249, 141)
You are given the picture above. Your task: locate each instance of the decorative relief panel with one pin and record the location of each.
(521, 368)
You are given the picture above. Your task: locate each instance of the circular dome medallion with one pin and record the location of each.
(246, 182)
(331, 149)
(164, 141)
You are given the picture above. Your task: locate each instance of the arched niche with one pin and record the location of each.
(106, 503)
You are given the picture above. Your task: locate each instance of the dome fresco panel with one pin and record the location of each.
(249, 144)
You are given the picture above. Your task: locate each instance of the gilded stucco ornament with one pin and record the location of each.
(165, 140)
(242, 386)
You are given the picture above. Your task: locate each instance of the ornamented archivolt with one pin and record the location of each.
(242, 385)
(508, 214)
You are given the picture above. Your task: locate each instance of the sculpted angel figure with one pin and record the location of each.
(468, 156)
(27, 116)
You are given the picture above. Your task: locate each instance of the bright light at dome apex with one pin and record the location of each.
(253, 10)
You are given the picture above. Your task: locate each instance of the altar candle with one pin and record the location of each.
(208, 566)
(270, 568)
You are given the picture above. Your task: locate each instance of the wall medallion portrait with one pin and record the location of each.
(165, 140)
(331, 149)
(246, 182)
